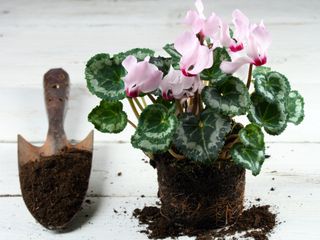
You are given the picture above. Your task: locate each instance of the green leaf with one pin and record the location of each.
(249, 158)
(260, 70)
(139, 53)
(295, 107)
(214, 74)
(252, 136)
(155, 129)
(108, 117)
(201, 139)
(273, 86)
(170, 105)
(163, 64)
(175, 55)
(104, 77)
(229, 96)
(270, 115)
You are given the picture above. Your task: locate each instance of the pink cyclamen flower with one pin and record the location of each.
(242, 29)
(141, 77)
(195, 57)
(255, 50)
(199, 23)
(177, 86)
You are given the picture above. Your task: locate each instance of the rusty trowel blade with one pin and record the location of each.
(26, 151)
(86, 144)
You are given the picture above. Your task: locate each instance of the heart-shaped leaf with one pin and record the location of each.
(201, 139)
(270, 115)
(214, 74)
(163, 64)
(169, 104)
(273, 86)
(139, 53)
(175, 55)
(108, 117)
(249, 158)
(252, 136)
(229, 96)
(104, 77)
(260, 70)
(295, 107)
(155, 129)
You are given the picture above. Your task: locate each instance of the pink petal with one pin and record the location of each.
(262, 36)
(186, 44)
(225, 38)
(200, 8)
(211, 26)
(193, 19)
(152, 78)
(176, 85)
(141, 76)
(259, 41)
(231, 67)
(242, 25)
(204, 60)
(128, 62)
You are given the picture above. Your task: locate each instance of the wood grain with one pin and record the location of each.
(41, 34)
(114, 197)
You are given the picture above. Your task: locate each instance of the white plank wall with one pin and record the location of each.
(36, 35)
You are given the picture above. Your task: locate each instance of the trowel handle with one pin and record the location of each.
(56, 91)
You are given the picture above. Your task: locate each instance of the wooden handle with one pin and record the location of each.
(56, 91)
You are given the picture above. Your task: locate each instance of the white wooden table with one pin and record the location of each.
(36, 35)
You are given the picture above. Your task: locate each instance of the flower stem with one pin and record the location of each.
(151, 98)
(138, 103)
(176, 155)
(249, 76)
(200, 105)
(131, 123)
(133, 107)
(179, 107)
(195, 103)
(144, 101)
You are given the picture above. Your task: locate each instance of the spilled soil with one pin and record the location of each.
(256, 222)
(54, 187)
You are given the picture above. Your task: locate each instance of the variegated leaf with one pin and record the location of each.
(273, 86)
(295, 107)
(252, 136)
(104, 77)
(108, 117)
(139, 53)
(260, 70)
(247, 157)
(163, 64)
(214, 74)
(175, 55)
(230, 97)
(155, 129)
(201, 139)
(270, 115)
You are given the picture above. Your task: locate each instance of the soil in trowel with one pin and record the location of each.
(54, 187)
(256, 222)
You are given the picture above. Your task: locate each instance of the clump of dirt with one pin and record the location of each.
(256, 222)
(54, 187)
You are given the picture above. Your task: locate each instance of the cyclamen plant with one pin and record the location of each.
(194, 92)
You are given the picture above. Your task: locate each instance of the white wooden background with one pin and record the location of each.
(36, 35)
